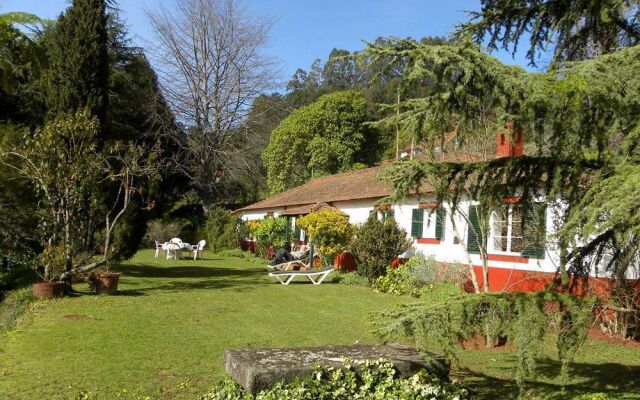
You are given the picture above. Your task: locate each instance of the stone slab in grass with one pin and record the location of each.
(260, 369)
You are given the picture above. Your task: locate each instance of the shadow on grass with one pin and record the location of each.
(611, 378)
(185, 271)
(187, 277)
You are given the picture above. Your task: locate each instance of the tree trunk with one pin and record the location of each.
(80, 270)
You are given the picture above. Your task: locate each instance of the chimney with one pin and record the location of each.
(505, 147)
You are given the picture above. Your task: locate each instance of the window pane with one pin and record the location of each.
(517, 245)
(517, 242)
(504, 227)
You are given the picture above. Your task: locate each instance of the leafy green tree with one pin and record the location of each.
(341, 71)
(22, 59)
(78, 73)
(271, 232)
(61, 164)
(323, 138)
(577, 29)
(222, 230)
(573, 143)
(376, 244)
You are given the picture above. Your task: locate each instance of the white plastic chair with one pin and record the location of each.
(158, 248)
(197, 248)
(176, 241)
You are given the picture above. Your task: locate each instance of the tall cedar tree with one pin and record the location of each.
(78, 75)
(573, 29)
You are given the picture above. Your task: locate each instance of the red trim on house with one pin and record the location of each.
(508, 258)
(516, 280)
(427, 205)
(512, 200)
(428, 241)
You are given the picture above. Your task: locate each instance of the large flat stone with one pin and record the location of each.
(259, 369)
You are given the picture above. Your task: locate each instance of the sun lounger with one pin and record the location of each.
(302, 261)
(287, 266)
(315, 276)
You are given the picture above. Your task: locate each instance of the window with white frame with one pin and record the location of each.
(507, 229)
(427, 223)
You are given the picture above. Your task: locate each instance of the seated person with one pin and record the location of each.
(302, 249)
(283, 255)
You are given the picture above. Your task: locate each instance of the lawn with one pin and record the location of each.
(164, 334)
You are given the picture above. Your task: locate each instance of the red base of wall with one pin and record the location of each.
(514, 280)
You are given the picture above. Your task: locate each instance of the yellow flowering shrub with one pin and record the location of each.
(330, 230)
(253, 225)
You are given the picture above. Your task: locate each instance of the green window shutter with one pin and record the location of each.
(473, 231)
(417, 220)
(373, 215)
(441, 215)
(287, 231)
(296, 231)
(535, 232)
(390, 214)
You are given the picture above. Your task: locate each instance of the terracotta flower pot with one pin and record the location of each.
(48, 290)
(107, 282)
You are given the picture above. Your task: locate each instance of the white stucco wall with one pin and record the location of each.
(259, 214)
(451, 250)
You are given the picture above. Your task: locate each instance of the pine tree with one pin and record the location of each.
(78, 75)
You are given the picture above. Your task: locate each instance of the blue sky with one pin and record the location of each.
(304, 30)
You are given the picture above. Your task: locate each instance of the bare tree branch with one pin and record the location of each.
(211, 68)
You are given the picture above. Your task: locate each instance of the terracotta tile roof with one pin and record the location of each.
(295, 210)
(353, 185)
(306, 209)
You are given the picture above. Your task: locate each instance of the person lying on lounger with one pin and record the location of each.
(283, 255)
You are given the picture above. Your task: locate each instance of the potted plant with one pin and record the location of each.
(104, 282)
(49, 266)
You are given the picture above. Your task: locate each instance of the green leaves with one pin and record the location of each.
(578, 29)
(330, 230)
(78, 74)
(366, 380)
(459, 83)
(523, 318)
(376, 244)
(271, 231)
(325, 137)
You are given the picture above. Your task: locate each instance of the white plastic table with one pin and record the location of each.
(174, 250)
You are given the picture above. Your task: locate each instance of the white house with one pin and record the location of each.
(516, 263)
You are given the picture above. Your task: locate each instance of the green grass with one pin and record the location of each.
(167, 328)
(164, 334)
(600, 367)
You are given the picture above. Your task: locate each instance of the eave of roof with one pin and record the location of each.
(361, 184)
(352, 185)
